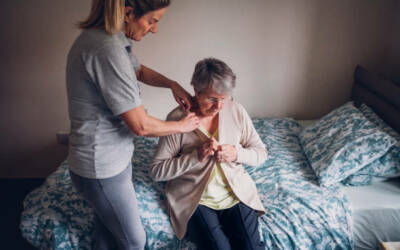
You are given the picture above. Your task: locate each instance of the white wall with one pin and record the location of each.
(35, 39)
(292, 58)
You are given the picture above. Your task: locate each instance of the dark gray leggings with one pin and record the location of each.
(117, 220)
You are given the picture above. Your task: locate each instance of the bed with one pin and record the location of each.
(300, 212)
(376, 207)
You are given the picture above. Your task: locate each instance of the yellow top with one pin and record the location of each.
(217, 194)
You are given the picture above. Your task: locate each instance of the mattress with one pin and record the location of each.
(376, 213)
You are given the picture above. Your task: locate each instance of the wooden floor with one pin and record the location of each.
(13, 192)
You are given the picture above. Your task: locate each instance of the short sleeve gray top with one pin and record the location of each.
(101, 85)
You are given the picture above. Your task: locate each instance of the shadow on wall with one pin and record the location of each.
(341, 37)
(392, 53)
(36, 38)
(33, 164)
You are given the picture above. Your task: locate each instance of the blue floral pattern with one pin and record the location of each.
(341, 143)
(299, 213)
(387, 166)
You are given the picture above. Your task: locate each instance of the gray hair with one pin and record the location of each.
(214, 73)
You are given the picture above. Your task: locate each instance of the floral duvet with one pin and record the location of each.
(299, 213)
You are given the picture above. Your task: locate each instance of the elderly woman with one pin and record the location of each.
(105, 108)
(209, 193)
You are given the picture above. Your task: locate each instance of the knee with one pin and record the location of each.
(137, 242)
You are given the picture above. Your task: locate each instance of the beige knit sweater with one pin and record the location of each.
(176, 161)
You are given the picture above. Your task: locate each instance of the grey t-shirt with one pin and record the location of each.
(101, 85)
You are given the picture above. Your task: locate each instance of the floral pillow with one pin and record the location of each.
(341, 143)
(387, 166)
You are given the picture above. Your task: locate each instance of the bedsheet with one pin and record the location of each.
(299, 213)
(376, 213)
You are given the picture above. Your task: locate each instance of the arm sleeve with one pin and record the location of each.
(113, 71)
(251, 150)
(168, 163)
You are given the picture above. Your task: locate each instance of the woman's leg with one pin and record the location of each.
(114, 202)
(241, 226)
(205, 230)
(104, 240)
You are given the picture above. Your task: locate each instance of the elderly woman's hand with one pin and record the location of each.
(226, 153)
(181, 96)
(207, 149)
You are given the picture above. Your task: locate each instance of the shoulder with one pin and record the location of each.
(92, 42)
(238, 114)
(236, 108)
(176, 114)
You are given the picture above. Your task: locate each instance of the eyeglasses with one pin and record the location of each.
(215, 100)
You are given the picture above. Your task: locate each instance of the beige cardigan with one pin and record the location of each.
(176, 161)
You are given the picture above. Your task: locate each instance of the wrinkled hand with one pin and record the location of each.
(181, 96)
(189, 123)
(207, 149)
(226, 153)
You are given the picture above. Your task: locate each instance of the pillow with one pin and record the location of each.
(341, 143)
(387, 166)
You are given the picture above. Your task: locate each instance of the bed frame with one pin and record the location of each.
(381, 94)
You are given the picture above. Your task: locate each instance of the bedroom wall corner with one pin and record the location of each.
(36, 37)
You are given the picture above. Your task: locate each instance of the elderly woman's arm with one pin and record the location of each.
(251, 150)
(168, 162)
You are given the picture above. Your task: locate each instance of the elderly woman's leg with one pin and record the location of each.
(241, 226)
(205, 230)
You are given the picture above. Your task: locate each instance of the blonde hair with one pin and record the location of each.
(109, 14)
(105, 14)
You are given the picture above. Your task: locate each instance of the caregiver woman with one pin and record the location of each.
(105, 106)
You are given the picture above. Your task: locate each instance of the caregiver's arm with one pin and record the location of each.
(168, 163)
(153, 78)
(251, 150)
(145, 125)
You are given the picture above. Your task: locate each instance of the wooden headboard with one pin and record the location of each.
(379, 93)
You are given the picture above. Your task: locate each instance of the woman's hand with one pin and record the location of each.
(207, 149)
(181, 96)
(189, 123)
(226, 153)
(153, 78)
